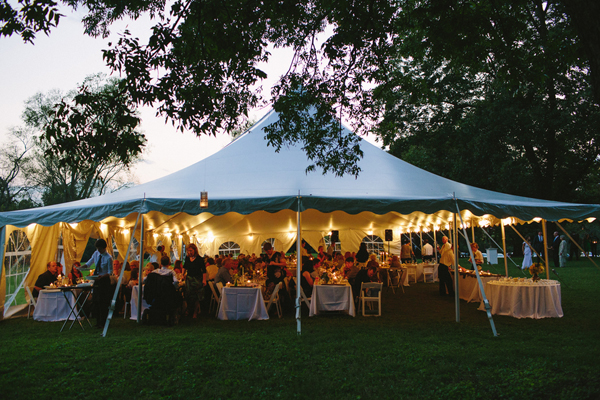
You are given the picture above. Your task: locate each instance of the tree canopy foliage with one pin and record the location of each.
(494, 95)
(73, 146)
(503, 88)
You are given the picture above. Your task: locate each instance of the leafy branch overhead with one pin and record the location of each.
(97, 125)
(509, 86)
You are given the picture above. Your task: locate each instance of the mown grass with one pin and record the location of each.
(416, 350)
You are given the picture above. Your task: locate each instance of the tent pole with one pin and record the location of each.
(576, 244)
(298, 269)
(504, 247)
(456, 251)
(486, 303)
(435, 245)
(546, 249)
(113, 303)
(472, 231)
(421, 237)
(140, 272)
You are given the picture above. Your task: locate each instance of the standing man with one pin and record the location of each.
(446, 261)
(555, 250)
(102, 293)
(427, 251)
(538, 245)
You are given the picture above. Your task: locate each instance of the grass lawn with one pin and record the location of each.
(415, 350)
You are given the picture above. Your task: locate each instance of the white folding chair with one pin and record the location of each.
(371, 297)
(303, 297)
(274, 299)
(411, 270)
(219, 286)
(31, 301)
(125, 309)
(214, 298)
(427, 270)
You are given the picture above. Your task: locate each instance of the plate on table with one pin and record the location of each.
(85, 284)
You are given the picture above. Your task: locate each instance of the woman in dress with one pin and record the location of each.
(526, 248)
(195, 279)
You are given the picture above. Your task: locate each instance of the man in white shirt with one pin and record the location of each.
(427, 251)
(164, 269)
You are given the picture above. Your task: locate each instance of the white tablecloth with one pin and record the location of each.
(468, 287)
(51, 306)
(134, 303)
(332, 298)
(242, 303)
(522, 300)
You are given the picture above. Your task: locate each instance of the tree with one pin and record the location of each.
(496, 98)
(202, 60)
(14, 157)
(88, 141)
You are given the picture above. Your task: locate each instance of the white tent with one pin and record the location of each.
(254, 196)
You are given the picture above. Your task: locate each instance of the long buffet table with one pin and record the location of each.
(524, 299)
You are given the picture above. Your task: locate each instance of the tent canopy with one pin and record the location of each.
(254, 195)
(247, 176)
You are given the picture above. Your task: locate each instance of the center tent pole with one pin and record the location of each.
(298, 268)
(456, 275)
(486, 302)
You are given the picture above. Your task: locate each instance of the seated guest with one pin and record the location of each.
(306, 280)
(395, 262)
(350, 269)
(211, 269)
(135, 273)
(373, 262)
(148, 269)
(177, 267)
(75, 273)
(164, 270)
(116, 268)
(46, 278)
(126, 274)
(223, 274)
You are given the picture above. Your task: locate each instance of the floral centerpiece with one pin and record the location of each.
(535, 270)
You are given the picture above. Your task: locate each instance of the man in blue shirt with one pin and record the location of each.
(101, 296)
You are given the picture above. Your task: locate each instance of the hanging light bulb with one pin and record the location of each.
(203, 199)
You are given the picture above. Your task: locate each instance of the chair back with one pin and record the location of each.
(220, 287)
(31, 298)
(371, 285)
(274, 297)
(212, 289)
(31, 301)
